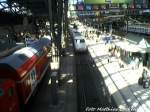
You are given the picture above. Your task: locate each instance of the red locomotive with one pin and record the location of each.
(21, 72)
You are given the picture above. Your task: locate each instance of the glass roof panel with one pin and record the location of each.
(3, 0)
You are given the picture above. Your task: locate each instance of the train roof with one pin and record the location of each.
(38, 44)
(20, 62)
(19, 57)
(11, 64)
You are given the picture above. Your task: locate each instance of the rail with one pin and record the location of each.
(88, 95)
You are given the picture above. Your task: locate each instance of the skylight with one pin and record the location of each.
(3, 0)
(14, 7)
(3, 4)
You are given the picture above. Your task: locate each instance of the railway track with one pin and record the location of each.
(87, 92)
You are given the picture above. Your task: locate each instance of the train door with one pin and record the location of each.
(8, 97)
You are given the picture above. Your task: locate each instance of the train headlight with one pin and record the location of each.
(1, 92)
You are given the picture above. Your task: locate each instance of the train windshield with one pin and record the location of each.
(77, 41)
(77, 34)
(22, 57)
(1, 92)
(82, 41)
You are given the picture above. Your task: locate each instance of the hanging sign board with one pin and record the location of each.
(106, 1)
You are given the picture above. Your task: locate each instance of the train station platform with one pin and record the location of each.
(67, 91)
(61, 97)
(121, 83)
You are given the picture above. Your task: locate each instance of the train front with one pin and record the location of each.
(8, 96)
(16, 78)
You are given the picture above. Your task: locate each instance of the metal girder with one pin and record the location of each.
(35, 6)
(12, 7)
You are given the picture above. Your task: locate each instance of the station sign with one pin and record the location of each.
(106, 1)
(113, 6)
(88, 13)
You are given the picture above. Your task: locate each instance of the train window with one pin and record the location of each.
(34, 51)
(32, 75)
(77, 34)
(82, 40)
(41, 52)
(10, 91)
(78, 41)
(1, 92)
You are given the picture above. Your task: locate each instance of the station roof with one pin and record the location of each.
(15, 10)
(35, 6)
(141, 45)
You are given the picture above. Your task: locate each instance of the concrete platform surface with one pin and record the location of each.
(59, 97)
(122, 83)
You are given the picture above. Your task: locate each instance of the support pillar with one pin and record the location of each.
(54, 88)
(50, 15)
(55, 62)
(110, 28)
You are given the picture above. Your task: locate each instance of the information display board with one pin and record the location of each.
(106, 1)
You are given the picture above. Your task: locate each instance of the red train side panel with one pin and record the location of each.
(24, 69)
(8, 96)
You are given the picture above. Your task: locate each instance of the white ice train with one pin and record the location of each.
(138, 29)
(78, 41)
